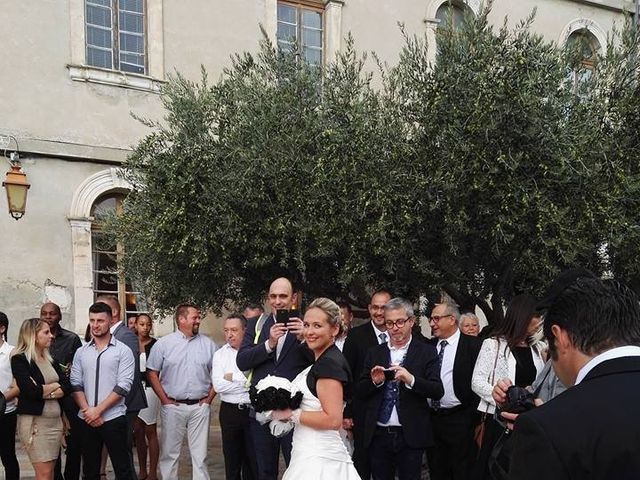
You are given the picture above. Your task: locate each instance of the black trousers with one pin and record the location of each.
(73, 453)
(390, 456)
(454, 452)
(360, 452)
(237, 443)
(113, 435)
(492, 432)
(131, 418)
(267, 448)
(8, 446)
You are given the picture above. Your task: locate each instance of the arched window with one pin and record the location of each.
(452, 14)
(106, 255)
(587, 46)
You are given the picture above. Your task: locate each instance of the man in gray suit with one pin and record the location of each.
(136, 399)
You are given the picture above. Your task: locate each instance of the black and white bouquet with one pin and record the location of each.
(276, 401)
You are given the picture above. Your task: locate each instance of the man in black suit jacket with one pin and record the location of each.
(453, 416)
(358, 343)
(398, 379)
(589, 432)
(271, 348)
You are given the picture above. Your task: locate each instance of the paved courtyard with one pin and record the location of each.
(214, 458)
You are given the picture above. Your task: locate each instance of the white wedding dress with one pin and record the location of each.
(317, 454)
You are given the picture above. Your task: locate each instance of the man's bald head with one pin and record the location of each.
(113, 302)
(281, 294)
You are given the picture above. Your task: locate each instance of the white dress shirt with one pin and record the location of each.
(6, 377)
(397, 357)
(378, 332)
(618, 352)
(449, 399)
(234, 391)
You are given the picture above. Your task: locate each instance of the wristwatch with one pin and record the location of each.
(51, 394)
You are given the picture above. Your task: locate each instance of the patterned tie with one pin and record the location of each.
(383, 338)
(436, 403)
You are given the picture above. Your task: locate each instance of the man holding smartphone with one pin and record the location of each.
(271, 346)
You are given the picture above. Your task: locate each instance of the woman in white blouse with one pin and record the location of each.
(512, 352)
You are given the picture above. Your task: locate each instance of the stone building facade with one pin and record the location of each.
(75, 71)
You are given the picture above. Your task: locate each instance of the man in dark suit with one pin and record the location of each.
(398, 379)
(589, 432)
(136, 399)
(453, 415)
(63, 347)
(272, 348)
(359, 341)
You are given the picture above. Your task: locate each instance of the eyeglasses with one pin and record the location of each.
(398, 323)
(437, 318)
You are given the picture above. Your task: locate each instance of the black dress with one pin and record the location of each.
(331, 364)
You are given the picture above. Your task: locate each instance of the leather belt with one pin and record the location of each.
(187, 401)
(239, 406)
(447, 411)
(389, 429)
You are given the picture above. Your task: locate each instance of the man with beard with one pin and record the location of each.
(179, 371)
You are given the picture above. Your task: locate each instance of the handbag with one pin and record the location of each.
(478, 432)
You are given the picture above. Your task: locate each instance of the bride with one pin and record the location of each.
(318, 450)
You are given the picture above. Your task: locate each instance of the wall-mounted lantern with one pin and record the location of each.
(16, 185)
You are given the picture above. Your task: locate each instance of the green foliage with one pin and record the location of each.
(483, 171)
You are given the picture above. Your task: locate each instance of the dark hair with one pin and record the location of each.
(182, 309)
(100, 307)
(346, 306)
(378, 292)
(516, 320)
(239, 316)
(596, 314)
(254, 306)
(87, 333)
(4, 322)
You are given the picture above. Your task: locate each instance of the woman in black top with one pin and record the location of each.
(42, 386)
(144, 429)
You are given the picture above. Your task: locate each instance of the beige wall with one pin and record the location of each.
(83, 127)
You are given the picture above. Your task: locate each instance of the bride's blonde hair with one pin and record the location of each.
(331, 310)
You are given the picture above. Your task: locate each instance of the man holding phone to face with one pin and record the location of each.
(271, 346)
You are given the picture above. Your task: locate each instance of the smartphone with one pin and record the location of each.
(389, 374)
(282, 316)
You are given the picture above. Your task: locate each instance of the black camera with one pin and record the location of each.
(519, 400)
(389, 374)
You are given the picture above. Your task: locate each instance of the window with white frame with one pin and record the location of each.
(116, 35)
(106, 254)
(300, 26)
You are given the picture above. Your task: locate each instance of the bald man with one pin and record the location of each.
(271, 348)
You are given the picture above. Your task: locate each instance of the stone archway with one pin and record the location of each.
(80, 219)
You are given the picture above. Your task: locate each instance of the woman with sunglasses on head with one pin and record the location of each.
(42, 385)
